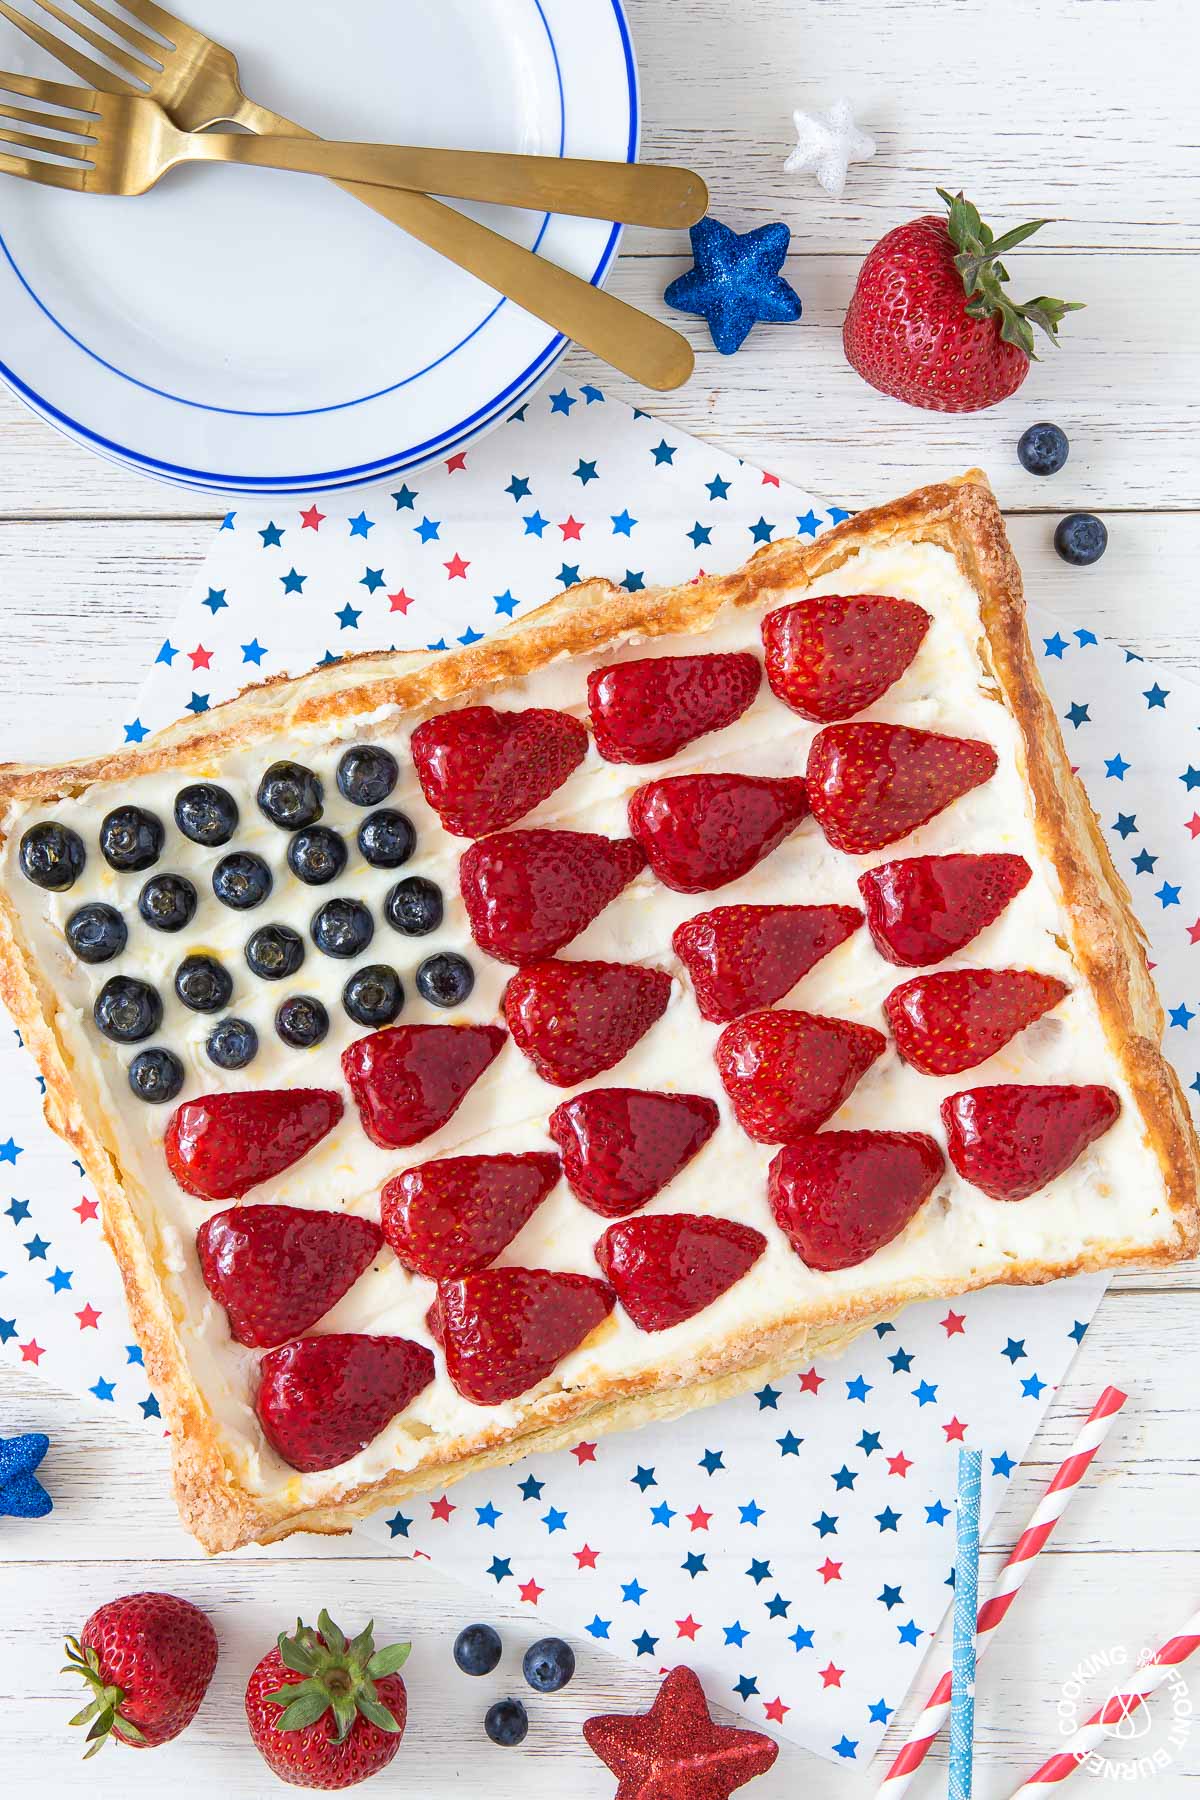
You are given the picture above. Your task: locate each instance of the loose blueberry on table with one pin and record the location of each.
(316, 855)
(477, 1649)
(232, 1044)
(367, 774)
(274, 952)
(414, 906)
(131, 839)
(1043, 449)
(290, 796)
(168, 902)
(548, 1665)
(203, 984)
(1081, 539)
(387, 838)
(206, 814)
(342, 928)
(97, 933)
(373, 995)
(506, 1723)
(52, 856)
(241, 880)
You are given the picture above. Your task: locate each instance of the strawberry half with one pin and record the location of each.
(574, 1019)
(221, 1145)
(1010, 1141)
(644, 711)
(840, 1196)
(744, 957)
(527, 893)
(871, 784)
(407, 1081)
(278, 1269)
(701, 831)
(829, 658)
(673, 1265)
(323, 1399)
(945, 1023)
(621, 1146)
(452, 1216)
(787, 1072)
(923, 909)
(504, 1330)
(480, 769)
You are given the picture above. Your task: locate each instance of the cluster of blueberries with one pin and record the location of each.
(127, 1011)
(547, 1666)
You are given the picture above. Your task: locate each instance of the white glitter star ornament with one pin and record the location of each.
(827, 146)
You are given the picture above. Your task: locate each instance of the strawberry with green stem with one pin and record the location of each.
(147, 1660)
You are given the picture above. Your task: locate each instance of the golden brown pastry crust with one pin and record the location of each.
(963, 518)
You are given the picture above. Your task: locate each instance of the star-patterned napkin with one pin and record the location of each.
(794, 1545)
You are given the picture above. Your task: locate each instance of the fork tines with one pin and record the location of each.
(137, 56)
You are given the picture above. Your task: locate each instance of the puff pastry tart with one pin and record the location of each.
(479, 1049)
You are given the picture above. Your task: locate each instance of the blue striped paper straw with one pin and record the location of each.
(966, 1606)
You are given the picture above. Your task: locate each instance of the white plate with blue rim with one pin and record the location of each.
(247, 331)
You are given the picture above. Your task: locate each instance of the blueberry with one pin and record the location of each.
(203, 984)
(387, 839)
(506, 1723)
(232, 1043)
(131, 838)
(301, 1021)
(127, 1010)
(548, 1665)
(290, 795)
(1081, 538)
(156, 1076)
(414, 906)
(316, 855)
(367, 774)
(274, 951)
(1043, 449)
(373, 995)
(96, 933)
(342, 928)
(52, 856)
(445, 979)
(168, 902)
(477, 1649)
(206, 814)
(241, 880)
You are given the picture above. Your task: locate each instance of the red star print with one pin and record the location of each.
(312, 520)
(457, 567)
(87, 1209)
(1193, 932)
(200, 657)
(31, 1351)
(810, 1382)
(88, 1317)
(899, 1464)
(831, 1675)
(529, 1590)
(586, 1558)
(457, 463)
(770, 480)
(571, 527)
(584, 1453)
(775, 1710)
(830, 1571)
(688, 1627)
(400, 601)
(698, 1520)
(1193, 824)
(441, 1509)
(954, 1431)
(954, 1323)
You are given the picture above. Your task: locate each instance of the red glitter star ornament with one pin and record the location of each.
(675, 1749)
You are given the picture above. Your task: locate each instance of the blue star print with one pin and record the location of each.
(925, 1393)
(1124, 824)
(888, 1519)
(808, 524)
(428, 530)
(801, 1638)
(1032, 1387)
(718, 488)
(292, 582)
(135, 731)
(348, 618)
(535, 525)
(711, 1461)
(847, 1747)
(937, 1514)
(271, 535)
(744, 1686)
(1014, 1349)
(777, 1607)
(699, 534)
(598, 1627)
(789, 1444)
(768, 1397)
(1056, 645)
(825, 1526)
(1181, 1016)
(1077, 715)
(1156, 696)
(253, 652)
(167, 654)
(751, 1513)
(1003, 1465)
(890, 1597)
(361, 526)
(880, 1712)
(736, 1633)
(487, 1515)
(869, 1442)
(901, 1361)
(216, 600)
(759, 1571)
(735, 281)
(644, 1478)
(531, 1488)
(662, 1514)
(404, 497)
(910, 1633)
(562, 402)
(844, 1477)
(622, 523)
(663, 453)
(693, 1565)
(10, 1150)
(632, 1592)
(555, 1520)
(398, 1525)
(499, 1568)
(644, 1645)
(585, 472)
(1116, 768)
(858, 1389)
(568, 575)
(519, 488)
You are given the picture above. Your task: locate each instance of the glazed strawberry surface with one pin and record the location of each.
(959, 1237)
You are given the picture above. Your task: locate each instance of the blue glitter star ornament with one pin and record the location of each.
(21, 1495)
(735, 282)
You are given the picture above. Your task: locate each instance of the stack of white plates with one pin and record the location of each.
(254, 332)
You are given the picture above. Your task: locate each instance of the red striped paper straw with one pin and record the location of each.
(1046, 1515)
(1093, 1731)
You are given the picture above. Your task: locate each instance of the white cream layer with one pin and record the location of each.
(1114, 1192)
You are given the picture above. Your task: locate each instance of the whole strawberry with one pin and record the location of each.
(324, 1712)
(148, 1660)
(930, 321)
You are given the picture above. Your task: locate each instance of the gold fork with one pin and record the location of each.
(127, 143)
(196, 84)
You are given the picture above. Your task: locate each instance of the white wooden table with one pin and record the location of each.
(1079, 110)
